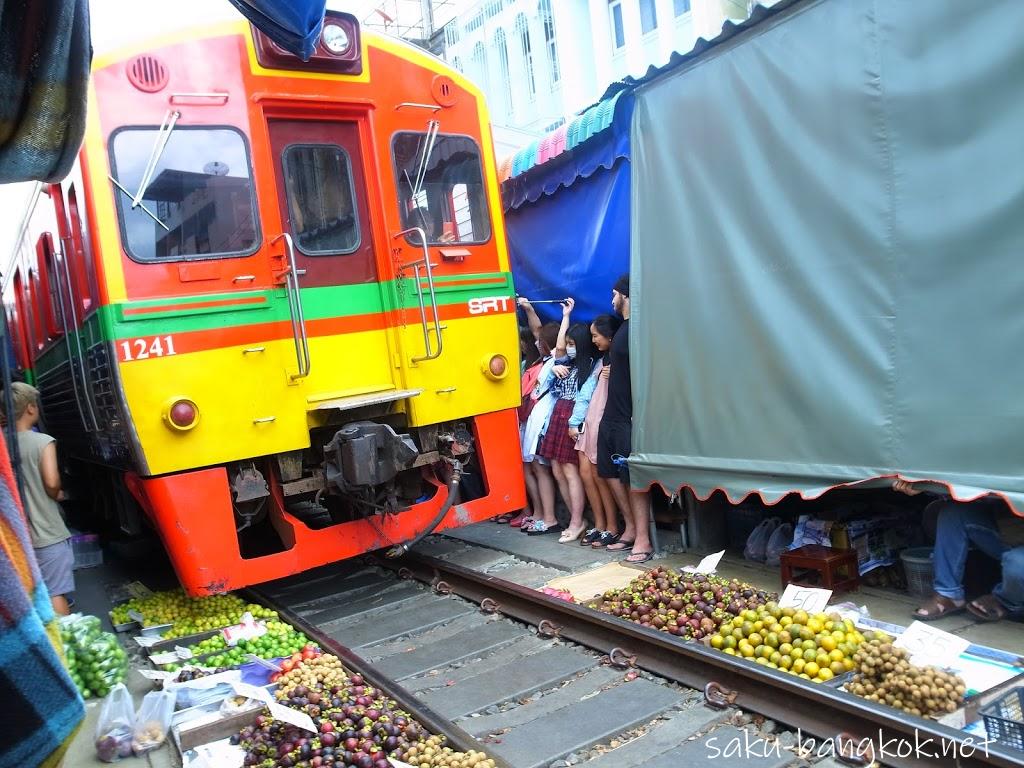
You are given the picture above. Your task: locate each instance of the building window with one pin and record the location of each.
(523, 31)
(479, 60)
(648, 16)
(618, 28)
(548, 19)
(681, 6)
(501, 46)
(457, 63)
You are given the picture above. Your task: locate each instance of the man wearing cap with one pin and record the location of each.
(614, 438)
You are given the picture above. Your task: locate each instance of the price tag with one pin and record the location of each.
(930, 646)
(808, 598)
(137, 617)
(145, 641)
(247, 629)
(152, 674)
(138, 589)
(291, 716)
(707, 565)
(398, 763)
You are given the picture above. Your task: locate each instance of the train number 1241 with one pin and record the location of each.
(140, 349)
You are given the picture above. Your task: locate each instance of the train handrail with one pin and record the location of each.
(431, 353)
(66, 245)
(299, 335)
(67, 336)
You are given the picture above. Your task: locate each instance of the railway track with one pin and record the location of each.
(538, 682)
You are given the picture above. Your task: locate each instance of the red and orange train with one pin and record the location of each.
(272, 306)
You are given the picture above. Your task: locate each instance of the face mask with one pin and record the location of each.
(571, 353)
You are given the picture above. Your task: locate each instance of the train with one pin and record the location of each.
(270, 312)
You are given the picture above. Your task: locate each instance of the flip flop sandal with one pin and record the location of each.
(519, 520)
(937, 608)
(590, 537)
(626, 546)
(986, 608)
(606, 538)
(504, 519)
(643, 558)
(527, 524)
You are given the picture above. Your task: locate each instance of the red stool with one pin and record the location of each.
(837, 568)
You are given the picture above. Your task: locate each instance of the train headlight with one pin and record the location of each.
(336, 39)
(494, 367)
(181, 415)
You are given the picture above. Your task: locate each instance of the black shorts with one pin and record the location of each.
(614, 440)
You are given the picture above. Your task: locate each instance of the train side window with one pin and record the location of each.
(34, 310)
(451, 201)
(19, 331)
(199, 202)
(321, 199)
(49, 291)
(80, 260)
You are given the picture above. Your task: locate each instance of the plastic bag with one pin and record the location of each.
(778, 543)
(153, 721)
(757, 542)
(96, 661)
(115, 725)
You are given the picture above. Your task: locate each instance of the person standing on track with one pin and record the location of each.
(614, 440)
(51, 538)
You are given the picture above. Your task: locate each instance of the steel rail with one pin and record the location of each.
(423, 714)
(815, 710)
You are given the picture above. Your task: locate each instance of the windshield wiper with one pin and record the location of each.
(129, 194)
(428, 147)
(162, 136)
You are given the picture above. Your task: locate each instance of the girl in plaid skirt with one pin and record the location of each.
(574, 362)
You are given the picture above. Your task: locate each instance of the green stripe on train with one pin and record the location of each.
(272, 305)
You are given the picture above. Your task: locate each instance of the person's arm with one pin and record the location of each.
(579, 410)
(532, 319)
(563, 329)
(49, 470)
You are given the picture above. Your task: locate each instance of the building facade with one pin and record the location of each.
(542, 61)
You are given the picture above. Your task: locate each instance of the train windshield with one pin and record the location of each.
(450, 202)
(199, 202)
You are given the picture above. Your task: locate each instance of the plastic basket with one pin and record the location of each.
(920, 570)
(1004, 719)
(86, 547)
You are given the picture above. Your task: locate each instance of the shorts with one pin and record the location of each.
(614, 440)
(56, 563)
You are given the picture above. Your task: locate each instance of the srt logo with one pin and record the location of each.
(489, 304)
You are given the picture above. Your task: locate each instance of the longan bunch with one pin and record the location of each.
(886, 675)
(432, 753)
(319, 673)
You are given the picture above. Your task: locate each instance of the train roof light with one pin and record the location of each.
(338, 50)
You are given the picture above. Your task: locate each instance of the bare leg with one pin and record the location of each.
(611, 518)
(588, 474)
(622, 494)
(60, 605)
(558, 470)
(576, 495)
(546, 489)
(640, 503)
(532, 491)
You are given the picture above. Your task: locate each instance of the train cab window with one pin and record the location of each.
(198, 201)
(321, 199)
(443, 193)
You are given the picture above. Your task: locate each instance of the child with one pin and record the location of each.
(50, 536)
(574, 358)
(583, 427)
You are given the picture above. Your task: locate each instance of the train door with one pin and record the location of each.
(323, 200)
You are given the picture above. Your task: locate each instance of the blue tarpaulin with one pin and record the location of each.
(292, 24)
(573, 243)
(567, 221)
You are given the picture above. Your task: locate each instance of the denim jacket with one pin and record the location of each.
(579, 411)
